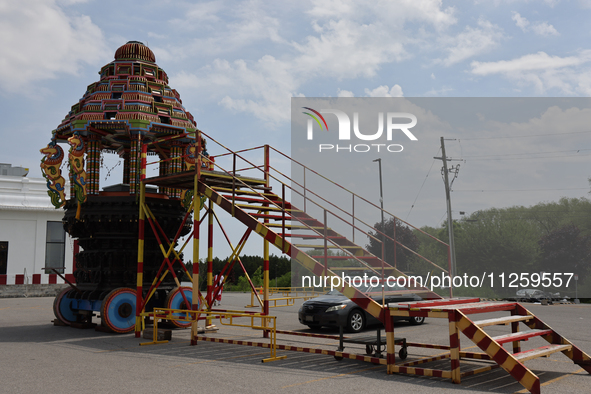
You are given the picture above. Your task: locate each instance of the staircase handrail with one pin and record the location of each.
(254, 166)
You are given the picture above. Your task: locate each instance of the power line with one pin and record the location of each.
(442, 216)
(519, 190)
(424, 180)
(520, 217)
(530, 158)
(532, 153)
(525, 136)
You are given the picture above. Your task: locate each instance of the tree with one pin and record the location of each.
(430, 249)
(498, 240)
(566, 249)
(278, 266)
(553, 215)
(404, 236)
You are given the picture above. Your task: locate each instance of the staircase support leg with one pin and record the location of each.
(209, 297)
(266, 248)
(195, 301)
(265, 283)
(390, 351)
(140, 263)
(454, 347)
(514, 329)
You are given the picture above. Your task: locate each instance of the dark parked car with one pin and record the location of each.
(533, 295)
(334, 309)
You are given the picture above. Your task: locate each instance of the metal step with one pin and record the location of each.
(270, 197)
(328, 246)
(268, 216)
(317, 236)
(502, 320)
(520, 336)
(541, 352)
(239, 191)
(263, 208)
(296, 226)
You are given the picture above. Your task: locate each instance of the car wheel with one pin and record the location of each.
(314, 326)
(356, 321)
(416, 320)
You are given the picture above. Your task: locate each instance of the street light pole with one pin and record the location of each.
(383, 226)
(381, 190)
(383, 244)
(382, 212)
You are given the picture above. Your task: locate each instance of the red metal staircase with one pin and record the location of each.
(458, 311)
(245, 192)
(324, 250)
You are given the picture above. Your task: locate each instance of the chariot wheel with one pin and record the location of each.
(175, 301)
(62, 308)
(118, 310)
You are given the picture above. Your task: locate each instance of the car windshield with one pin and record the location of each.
(394, 287)
(370, 289)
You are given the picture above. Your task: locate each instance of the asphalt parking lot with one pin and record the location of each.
(37, 356)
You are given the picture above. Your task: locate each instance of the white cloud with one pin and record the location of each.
(70, 2)
(268, 84)
(569, 75)
(333, 8)
(497, 3)
(539, 28)
(216, 29)
(196, 14)
(345, 93)
(544, 29)
(347, 49)
(384, 91)
(520, 21)
(40, 41)
(536, 61)
(397, 13)
(438, 92)
(347, 40)
(471, 42)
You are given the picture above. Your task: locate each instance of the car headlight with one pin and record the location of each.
(336, 308)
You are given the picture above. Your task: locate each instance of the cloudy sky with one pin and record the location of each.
(236, 64)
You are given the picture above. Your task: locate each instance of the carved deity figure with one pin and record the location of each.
(76, 158)
(50, 165)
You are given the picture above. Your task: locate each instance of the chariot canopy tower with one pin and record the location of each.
(130, 105)
(129, 109)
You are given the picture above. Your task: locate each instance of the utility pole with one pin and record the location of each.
(450, 227)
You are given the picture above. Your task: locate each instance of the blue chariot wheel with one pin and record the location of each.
(118, 310)
(62, 308)
(175, 300)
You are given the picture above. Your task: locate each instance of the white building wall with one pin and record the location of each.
(25, 209)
